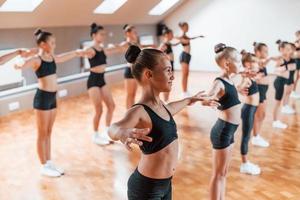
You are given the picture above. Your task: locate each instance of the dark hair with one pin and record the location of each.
(258, 46)
(128, 28)
(42, 36)
(247, 57)
(95, 28)
(293, 45)
(181, 24)
(222, 51)
(166, 31)
(141, 59)
(282, 44)
(297, 32)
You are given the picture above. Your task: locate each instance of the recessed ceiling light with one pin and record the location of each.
(20, 5)
(109, 6)
(162, 7)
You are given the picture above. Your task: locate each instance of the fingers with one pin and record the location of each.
(141, 134)
(130, 141)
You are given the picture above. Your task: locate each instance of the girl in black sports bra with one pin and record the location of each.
(222, 133)
(166, 47)
(261, 53)
(131, 85)
(44, 103)
(97, 89)
(281, 82)
(150, 125)
(251, 101)
(185, 56)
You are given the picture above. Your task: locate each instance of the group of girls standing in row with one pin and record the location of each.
(149, 123)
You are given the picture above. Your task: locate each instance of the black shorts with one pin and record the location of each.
(279, 87)
(44, 100)
(185, 57)
(262, 89)
(96, 80)
(128, 73)
(298, 63)
(144, 188)
(291, 78)
(222, 134)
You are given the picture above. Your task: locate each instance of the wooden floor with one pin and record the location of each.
(101, 173)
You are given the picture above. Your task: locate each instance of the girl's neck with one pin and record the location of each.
(150, 96)
(45, 53)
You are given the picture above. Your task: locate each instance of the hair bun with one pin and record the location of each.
(278, 41)
(220, 47)
(38, 31)
(93, 25)
(243, 52)
(132, 53)
(254, 43)
(125, 26)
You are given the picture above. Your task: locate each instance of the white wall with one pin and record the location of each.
(234, 22)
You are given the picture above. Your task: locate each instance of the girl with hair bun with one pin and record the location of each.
(222, 133)
(97, 89)
(185, 56)
(150, 124)
(44, 103)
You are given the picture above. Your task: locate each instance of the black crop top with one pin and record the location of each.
(46, 68)
(98, 59)
(169, 48)
(162, 133)
(286, 63)
(253, 88)
(230, 98)
(263, 70)
(185, 44)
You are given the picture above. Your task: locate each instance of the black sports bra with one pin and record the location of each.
(263, 70)
(230, 98)
(169, 49)
(185, 44)
(46, 68)
(286, 63)
(163, 132)
(98, 59)
(253, 88)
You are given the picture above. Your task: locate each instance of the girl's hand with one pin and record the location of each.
(207, 100)
(135, 136)
(80, 53)
(243, 90)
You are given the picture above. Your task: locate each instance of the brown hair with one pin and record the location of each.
(128, 28)
(41, 36)
(223, 52)
(247, 57)
(258, 46)
(142, 59)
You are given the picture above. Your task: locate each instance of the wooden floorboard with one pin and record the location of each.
(94, 172)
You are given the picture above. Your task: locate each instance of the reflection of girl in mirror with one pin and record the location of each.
(97, 88)
(44, 103)
(185, 56)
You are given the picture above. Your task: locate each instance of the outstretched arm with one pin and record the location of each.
(9, 56)
(68, 56)
(177, 106)
(33, 62)
(119, 48)
(125, 131)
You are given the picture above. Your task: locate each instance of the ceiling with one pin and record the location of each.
(53, 13)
